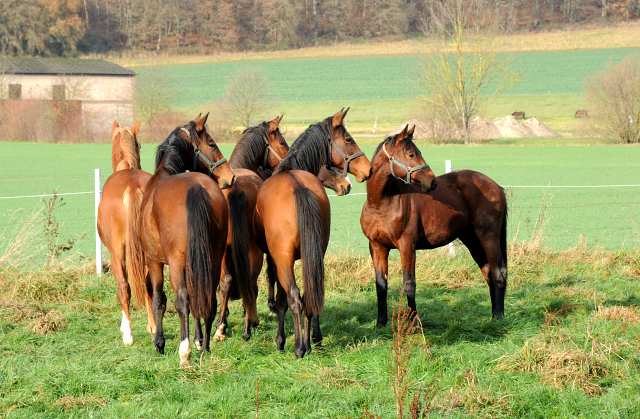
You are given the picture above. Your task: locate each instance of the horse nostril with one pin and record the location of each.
(434, 184)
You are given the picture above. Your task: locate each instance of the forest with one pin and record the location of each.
(69, 28)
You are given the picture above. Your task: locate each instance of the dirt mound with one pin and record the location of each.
(482, 128)
(510, 128)
(539, 129)
(424, 129)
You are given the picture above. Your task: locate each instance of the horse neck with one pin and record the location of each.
(125, 154)
(236, 161)
(381, 186)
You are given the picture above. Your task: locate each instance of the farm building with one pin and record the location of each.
(93, 92)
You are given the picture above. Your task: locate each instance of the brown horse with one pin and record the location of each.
(581, 113)
(406, 211)
(259, 151)
(184, 223)
(117, 218)
(519, 114)
(292, 221)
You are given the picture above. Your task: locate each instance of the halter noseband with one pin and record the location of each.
(347, 159)
(198, 153)
(266, 154)
(409, 170)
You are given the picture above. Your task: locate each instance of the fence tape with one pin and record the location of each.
(45, 195)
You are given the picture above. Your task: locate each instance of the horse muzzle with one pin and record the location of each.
(343, 190)
(428, 188)
(361, 177)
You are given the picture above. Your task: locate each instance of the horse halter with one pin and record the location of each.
(409, 170)
(347, 159)
(198, 153)
(266, 154)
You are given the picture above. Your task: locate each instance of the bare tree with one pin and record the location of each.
(153, 94)
(613, 98)
(247, 96)
(455, 82)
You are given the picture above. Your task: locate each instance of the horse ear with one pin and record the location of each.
(339, 117)
(201, 121)
(403, 134)
(197, 118)
(411, 131)
(136, 127)
(114, 126)
(274, 123)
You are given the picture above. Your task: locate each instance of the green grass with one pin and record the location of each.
(81, 369)
(550, 88)
(602, 217)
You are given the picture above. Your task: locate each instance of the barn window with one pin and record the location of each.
(58, 92)
(15, 91)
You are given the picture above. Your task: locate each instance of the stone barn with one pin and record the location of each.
(93, 92)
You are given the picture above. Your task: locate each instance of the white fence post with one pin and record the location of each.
(447, 168)
(98, 195)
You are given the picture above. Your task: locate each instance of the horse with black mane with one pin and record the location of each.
(292, 221)
(184, 224)
(408, 208)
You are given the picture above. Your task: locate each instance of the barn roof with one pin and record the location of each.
(61, 66)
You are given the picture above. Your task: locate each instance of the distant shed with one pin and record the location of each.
(100, 91)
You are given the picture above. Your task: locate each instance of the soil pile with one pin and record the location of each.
(431, 129)
(510, 128)
(482, 128)
(539, 129)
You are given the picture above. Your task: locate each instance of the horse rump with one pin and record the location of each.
(199, 261)
(310, 230)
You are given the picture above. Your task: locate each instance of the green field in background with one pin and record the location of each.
(603, 217)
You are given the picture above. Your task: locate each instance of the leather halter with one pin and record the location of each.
(347, 159)
(198, 153)
(266, 154)
(409, 170)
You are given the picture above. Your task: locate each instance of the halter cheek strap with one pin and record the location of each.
(409, 170)
(347, 159)
(266, 154)
(198, 153)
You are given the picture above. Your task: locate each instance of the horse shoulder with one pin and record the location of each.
(384, 224)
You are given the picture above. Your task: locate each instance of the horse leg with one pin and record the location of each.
(124, 295)
(223, 294)
(286, 278)
(251, 313)
(271, 282)
(408, 261)
(317, 334)
(197, 335)
(281, 306)
(151, 319)
(208, 323)
(176, 275)
(159, 302)
(380, 257)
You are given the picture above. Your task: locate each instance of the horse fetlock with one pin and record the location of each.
(246, 333)
(280, 341)
(184, 351)
(382, 321)
(220, 334)
(198, 344)
(159, 344)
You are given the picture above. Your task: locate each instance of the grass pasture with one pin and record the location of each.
(568, 347)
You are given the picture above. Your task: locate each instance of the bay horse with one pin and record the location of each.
(118, 213)
(581, 113)
(184, 223)
(519, 114)
(408, 208)
(292, 221)
(256, 155)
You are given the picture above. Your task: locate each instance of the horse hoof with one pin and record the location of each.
(151, 330)
(128, 340)
(219, 336)
(198, 345)
(246, 335)
(299, 353)
(184, 352)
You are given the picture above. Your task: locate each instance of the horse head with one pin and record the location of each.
(349, 157)
(125, 148)
(277, 146)
(205, 154)
(405, 161)
(332, 179)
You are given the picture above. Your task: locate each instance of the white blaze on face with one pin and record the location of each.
(349, 180)
(125, 328)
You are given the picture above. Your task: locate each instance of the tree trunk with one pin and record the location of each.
(604, 9)
(315, 22)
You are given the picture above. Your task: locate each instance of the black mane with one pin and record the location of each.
(309, 151)
(173, 149)
(251, 144)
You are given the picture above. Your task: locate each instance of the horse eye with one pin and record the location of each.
(412, 155)
(212, 144)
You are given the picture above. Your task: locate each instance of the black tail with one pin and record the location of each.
(310, 230)
(198, 273)
(503, 236)
(241, 265)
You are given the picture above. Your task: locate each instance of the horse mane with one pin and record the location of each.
(251, 145)
(125, 153)
(309, 151)
(173, 149)
(391, 140)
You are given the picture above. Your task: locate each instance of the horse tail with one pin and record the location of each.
(241, 264)
(310, 231)
(198, 270)
(134, 256)
(503, 236)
